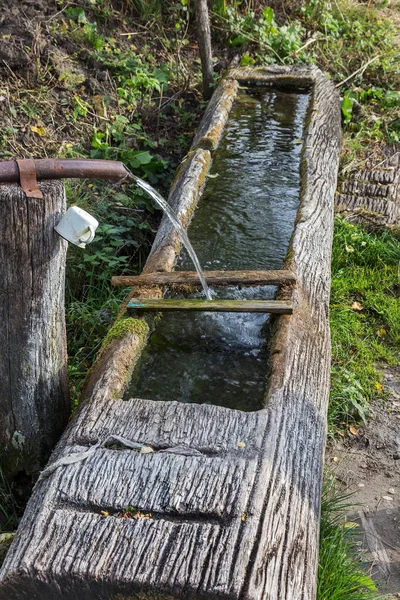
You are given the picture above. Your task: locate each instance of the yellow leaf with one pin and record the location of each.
(357, 306)
(379, 386)
(382, 332)
(350, 525)
(353, 430)
(244, 517)
(39, 130)
(241, 445)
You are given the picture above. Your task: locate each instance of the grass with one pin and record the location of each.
(365, 319)
(8, 506)
(340, 574)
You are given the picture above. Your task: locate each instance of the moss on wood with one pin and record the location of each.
(123, 327)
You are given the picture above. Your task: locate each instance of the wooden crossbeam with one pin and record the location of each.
(241, 306)
(212, 278)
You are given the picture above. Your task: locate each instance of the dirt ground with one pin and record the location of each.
(368, 465)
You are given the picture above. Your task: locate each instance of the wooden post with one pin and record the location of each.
(34, 399)
(204, 41)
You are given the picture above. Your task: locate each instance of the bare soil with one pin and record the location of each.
(368, 466)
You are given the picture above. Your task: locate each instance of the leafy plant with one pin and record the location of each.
(86, 30)
(270, 41)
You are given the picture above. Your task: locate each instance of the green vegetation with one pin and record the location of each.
(124, 326)
(340, 574)
(123, 84)
(365, 318)
(356, 44)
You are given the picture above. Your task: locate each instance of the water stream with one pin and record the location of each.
(163, 204)
(244, 220)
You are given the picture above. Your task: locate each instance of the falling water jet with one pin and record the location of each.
(175, 222)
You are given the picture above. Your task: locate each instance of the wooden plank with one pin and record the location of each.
(240, 519)
(240, 306)
(212, 277)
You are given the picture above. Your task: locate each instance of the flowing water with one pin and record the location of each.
(244, 221)
(163, 204)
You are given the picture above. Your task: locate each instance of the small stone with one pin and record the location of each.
(391, 491)
(396, 457)
(387, 498)
(335, 459)
(361, 485)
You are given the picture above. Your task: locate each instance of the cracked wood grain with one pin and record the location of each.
(34, 398)
(240, 520)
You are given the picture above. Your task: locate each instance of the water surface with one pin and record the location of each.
(244, 221)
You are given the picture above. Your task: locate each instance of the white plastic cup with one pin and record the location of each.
(77, 226)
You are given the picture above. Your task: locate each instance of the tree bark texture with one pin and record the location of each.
(34, 398)
(204, 41)
(371, 195)
(228, 501)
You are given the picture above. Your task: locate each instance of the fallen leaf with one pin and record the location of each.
(7, 538)
(241, 445)
(349, 248)
(244, 517)
(357, 306)
(382, 332)
(105, 513)
(39, 130)
(379, 386)
(335, 459)
(353, 430)
(146, 450)
(350, 525)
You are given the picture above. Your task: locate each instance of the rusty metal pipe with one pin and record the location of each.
(67, 168)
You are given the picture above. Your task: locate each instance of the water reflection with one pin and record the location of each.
(244, 221)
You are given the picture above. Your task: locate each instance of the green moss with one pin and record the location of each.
(123, 327)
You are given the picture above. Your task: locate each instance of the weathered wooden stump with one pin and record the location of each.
(34, 398)
(234, 497)
(371, 195)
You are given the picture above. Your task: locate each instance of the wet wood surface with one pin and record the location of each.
(212, 277)
(228, 502)
(239, 306)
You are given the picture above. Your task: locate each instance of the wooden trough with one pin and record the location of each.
(227, 503)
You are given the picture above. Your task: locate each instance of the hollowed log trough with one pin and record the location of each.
(237, 516)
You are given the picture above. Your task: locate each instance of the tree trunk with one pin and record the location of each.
(204, 41)
(34, 402)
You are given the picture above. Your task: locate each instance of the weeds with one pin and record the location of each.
(340, 575)
(121, 245)
(8, 506)
(365, 319)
